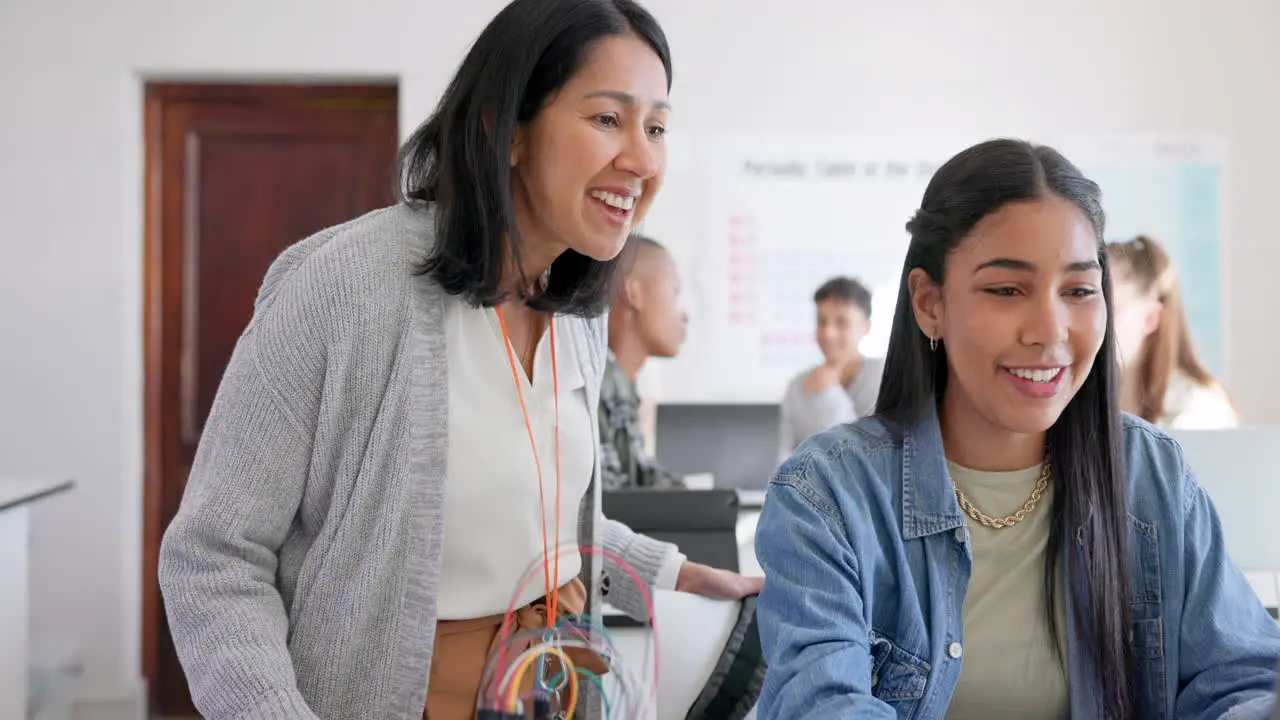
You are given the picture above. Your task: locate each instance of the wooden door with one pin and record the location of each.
(235, 173)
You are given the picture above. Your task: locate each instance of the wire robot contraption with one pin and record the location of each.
(531, 675)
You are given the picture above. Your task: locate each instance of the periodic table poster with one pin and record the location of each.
(782, 214)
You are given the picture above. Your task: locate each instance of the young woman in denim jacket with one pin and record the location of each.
(998, 540)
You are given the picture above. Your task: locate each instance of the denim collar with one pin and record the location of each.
(929, 503)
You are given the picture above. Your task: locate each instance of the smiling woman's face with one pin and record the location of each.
(1020, 313)
(588, 166)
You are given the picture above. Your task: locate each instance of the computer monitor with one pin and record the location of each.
(1240, 469)
(737, 444)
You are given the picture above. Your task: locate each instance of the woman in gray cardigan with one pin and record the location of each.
(407, 423)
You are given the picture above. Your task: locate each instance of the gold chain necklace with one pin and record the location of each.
(1017, 517)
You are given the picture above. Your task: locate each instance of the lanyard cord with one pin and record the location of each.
(553, 590)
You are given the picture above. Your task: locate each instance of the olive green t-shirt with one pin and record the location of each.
(1009, 667)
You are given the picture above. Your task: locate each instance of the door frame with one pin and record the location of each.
(166, 272)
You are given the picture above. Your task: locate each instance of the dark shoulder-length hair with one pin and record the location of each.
(460, 158)
(1084, 445)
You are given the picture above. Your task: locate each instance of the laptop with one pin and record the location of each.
(1240, 470)
(736, 444)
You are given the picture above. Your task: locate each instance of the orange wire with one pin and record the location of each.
(554, 602)
(553, 593)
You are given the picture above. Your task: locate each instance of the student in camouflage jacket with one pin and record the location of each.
(645, 320)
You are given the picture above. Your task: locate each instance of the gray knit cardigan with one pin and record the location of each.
(301, 572)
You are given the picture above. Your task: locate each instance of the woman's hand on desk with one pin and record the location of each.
(715, 583)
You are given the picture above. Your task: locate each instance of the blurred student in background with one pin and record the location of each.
(844, 387)
(645, 320)
(1164, 381)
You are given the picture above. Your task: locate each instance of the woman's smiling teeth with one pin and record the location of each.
(1040, 376)
(622, 202)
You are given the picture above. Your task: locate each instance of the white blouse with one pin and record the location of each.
(1189, 405)
(493, 526)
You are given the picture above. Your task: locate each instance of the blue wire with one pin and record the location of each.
(553, 685)
(587, 624)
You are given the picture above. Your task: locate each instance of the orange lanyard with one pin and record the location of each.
(553, 590)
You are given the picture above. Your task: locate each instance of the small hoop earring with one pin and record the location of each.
(933, 344)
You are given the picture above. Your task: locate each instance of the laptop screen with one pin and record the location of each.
(1240, 470)
(737, 444)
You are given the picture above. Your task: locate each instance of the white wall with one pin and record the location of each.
(71, 178)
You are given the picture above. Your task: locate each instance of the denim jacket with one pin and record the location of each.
(865, 552)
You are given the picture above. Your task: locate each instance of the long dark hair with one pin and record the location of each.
(1169, 348)
(459, 158)
(1084, 444)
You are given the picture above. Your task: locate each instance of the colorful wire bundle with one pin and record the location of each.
(503, 701)
(521, 675)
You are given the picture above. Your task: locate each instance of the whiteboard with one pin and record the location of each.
(767, 218)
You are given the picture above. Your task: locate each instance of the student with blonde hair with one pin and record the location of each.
(1164, 381)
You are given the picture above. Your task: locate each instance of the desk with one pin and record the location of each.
(692, 634)
(750, 503)
(16, 497)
